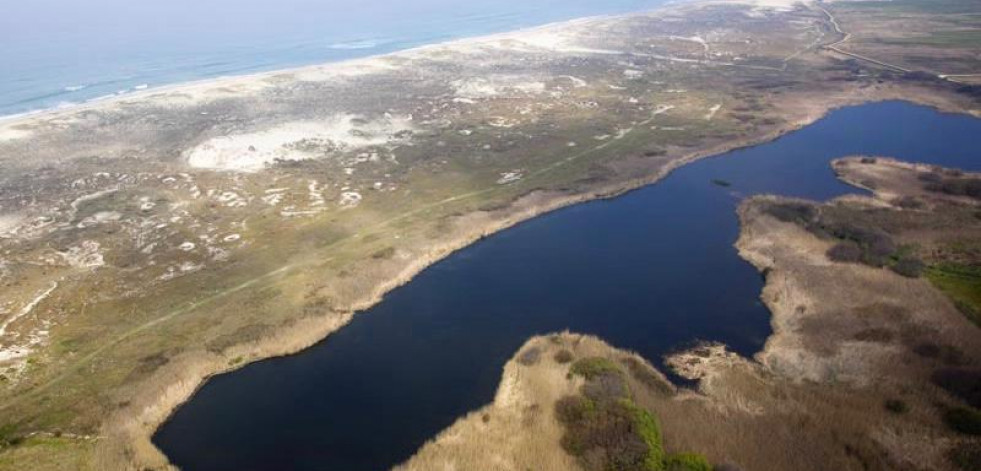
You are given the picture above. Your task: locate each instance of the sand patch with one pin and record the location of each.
(28, 308)
(712, 111)
(561, 38)
(344, 70)
(473, 88)
(85, 255)
(350, 199)
(10, 134)
(251, 152)
(761, 6)
(9, 223)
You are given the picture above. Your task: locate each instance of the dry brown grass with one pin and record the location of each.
(743, 415)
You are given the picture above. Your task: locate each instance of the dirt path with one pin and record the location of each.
(846, 36)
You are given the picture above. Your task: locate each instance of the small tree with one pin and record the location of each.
(845, 252)
(909, 267)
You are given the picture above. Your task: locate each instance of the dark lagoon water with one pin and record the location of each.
(650, 271)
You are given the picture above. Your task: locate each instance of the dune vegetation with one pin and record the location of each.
(151, 241)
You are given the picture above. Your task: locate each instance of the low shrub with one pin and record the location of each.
(800, 213)
(384, 254)
(606, 430)
(615, 435)
(875, 245)
(908, 202)
(646, 426)
(687, 462)
(968, 310)
(10, 436)
(846, 252)
(896, 406)
(605, 387)
(573, 409)
(874, 334)
(932, 177)
(950, 356)
(964, 383)
(592, 367)
(530, 357)
(909, 267)
(966, 456)
(970, 187)
(563, 356)
(877, 250)
(966, 420)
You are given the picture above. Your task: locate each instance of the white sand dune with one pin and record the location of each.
(251, 152)
(9, 222)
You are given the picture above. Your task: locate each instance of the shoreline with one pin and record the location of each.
(717, 370)
(93, 104)
(125, 431)
(295, 340)
(219, 81)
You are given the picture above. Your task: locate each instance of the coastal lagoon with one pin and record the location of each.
(652, 271)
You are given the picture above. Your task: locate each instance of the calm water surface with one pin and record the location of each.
(651, 271)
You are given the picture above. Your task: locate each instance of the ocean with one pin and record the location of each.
(58, 53)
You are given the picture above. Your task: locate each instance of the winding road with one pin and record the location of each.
(846, 36)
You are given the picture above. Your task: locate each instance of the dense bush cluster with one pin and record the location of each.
(970, 187)
(966, 420)
(608, 431)
(857, 241)
(908, 266)
(530, 357)
(727, 467)
(593, 367)
(932, 177)
(798, 213)
(563, 356)
(908, 202)
(846, 252)
(876, 246)
(962, 382)
(687, 462)
(9, 436)
(896, 406)
(966, 456)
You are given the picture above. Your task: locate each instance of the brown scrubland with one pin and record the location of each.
(871, 365)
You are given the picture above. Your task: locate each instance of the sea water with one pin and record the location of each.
(60, 52)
